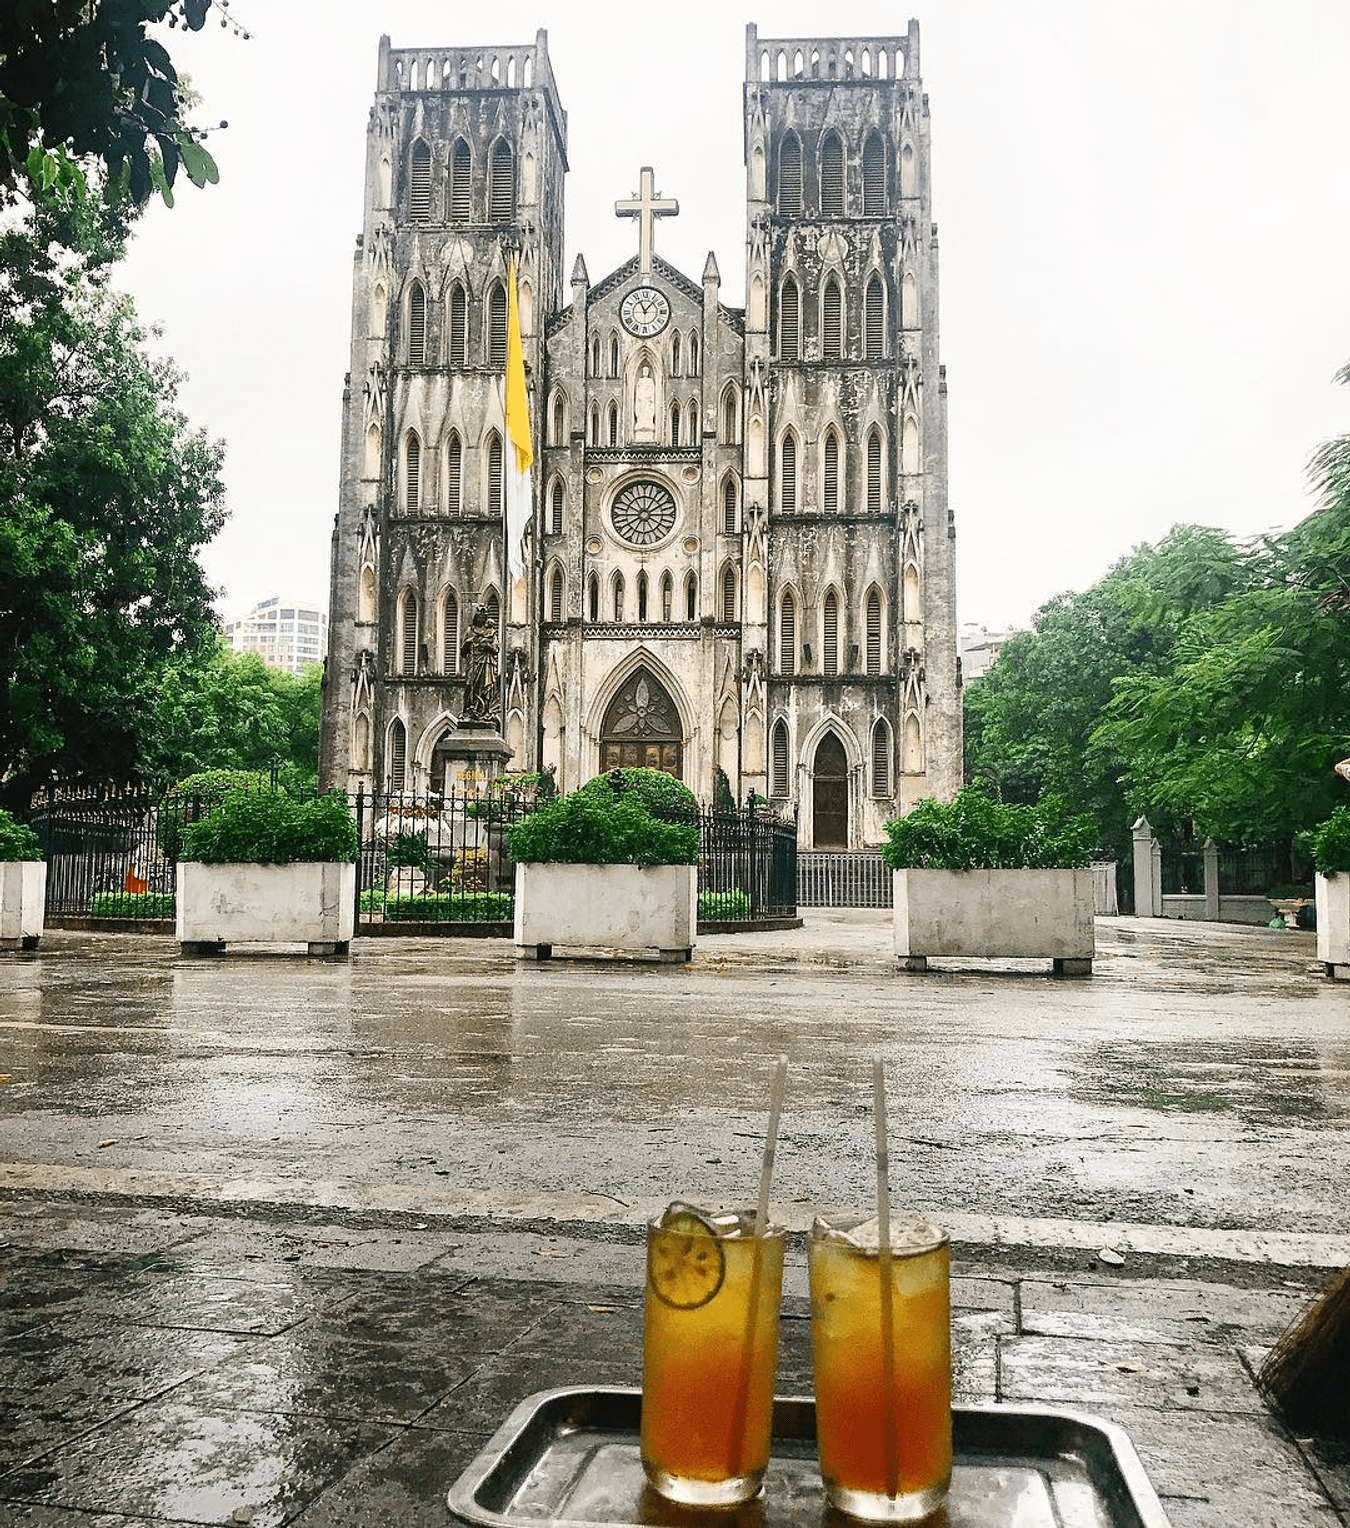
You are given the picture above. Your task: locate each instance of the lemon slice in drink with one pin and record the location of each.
(686, 1264)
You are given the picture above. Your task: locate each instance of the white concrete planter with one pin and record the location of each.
(23, 902)
(992, 913)
(311, 902)
(1333, 923)
(630, 911)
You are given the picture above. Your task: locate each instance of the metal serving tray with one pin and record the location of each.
(571, 1456)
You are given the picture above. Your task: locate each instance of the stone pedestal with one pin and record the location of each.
(478, 752)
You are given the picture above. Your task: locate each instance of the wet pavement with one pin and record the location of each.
(284, 1240)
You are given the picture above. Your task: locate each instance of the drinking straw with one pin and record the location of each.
(756, 1258)
(888, 1443)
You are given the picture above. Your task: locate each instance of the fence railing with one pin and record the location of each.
(828, 878)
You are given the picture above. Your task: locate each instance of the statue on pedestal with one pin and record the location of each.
(479, 652)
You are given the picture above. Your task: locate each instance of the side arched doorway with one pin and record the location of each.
(641, 729)
(829, 794)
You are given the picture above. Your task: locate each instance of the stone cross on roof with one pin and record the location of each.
(646, 206)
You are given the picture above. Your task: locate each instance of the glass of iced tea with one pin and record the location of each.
(710, 1353)
(883, 1427)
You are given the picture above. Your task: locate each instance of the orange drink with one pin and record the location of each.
(709, 1356)
(859, 1396)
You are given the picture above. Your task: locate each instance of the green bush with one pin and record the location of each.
(17, 839)
(975, 833)
(268, 828)
(1330, 843)
(133, 904)
(410, 850)
(713, 905)
(663, 795)
(594, 827)
(452, 907)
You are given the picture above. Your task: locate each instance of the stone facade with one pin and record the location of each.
(741, 556)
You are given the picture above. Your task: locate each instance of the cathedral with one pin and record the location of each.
(739, 555)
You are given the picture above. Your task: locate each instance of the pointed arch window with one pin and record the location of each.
(614, 355)
(875, 320)
(693, 352)
(874, 177)
(691, 421)
(729, 416)
(831, 176)
(407, 635)
(496, 335)
(642, 596)
(398, 755)
(450, 633)
(667, 597)
(459, 326)
(595, 424)
(614, 424)
(559, 421)
(454, 475)
(502, 184)
(412, 473)
(873, 632)
(829, 478)
(419, 183)
(675, 354)
(595, 356)
(674, 424)
(787, 636)
(494, 474)
(691, 598)
(789, 320)
(730, 612)
(555, 508)
(790, 176)
(555, 596)
(874, 483)
(729, 507)
(593, 598)
(832, 321)
(461, 173)
(618, 596)
(779, 785)
(787, 473)
(881, 758)
(417, 325)
(829, 636)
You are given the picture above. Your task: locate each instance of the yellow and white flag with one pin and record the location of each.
(520, 455)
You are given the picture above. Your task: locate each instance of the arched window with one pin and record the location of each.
(407, 633)
(449, 633)
(787, 636)
(559, 421)
(412, 473)
(779, 782)
(614, 424)
(691, 422)
(909, 444)
(365, 609)
(787, 472)
(789, 320)
(614, 355)
(832, 321)
(496, 335)
(595, 356)
(693, 352)
(417, 325)
(829, 477)
(459, 326)
(502, 184)
(790, 176)
(555, 596)
(667, 597)
(595, 424)
(555, 508)
(908, 176)
(618, 596)
(874, 177)
(873, 632)
(675, 354)
(593, 598)
(691, 598)
(829, 636)
(461, 171)
(642, 596)
(398, 755)
(874, 480)
(674, 424)
(729, 507)
(730, 610)
(831, 176)
(881, 758)
(729, 416)
(454, 475)
(875, 325)
(493, 506)
(419, 183)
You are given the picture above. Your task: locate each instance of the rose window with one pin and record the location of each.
(643, 513)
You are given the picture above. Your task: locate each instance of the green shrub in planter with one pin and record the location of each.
(268, 828)
(595, 827)
(663, 795)
(715, 905)
(1330, 843)
(17, 840)
(451, 907)
(974, 833)
(133, 904)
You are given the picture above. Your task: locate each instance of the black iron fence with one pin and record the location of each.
(747, 868)
(111, 851)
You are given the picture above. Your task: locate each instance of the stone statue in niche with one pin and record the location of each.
(479, 652)
(644, 407)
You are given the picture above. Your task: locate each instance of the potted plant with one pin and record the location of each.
(1331, 861)
(23, 885)
(984, 878)
(610, 868)
(267, 867)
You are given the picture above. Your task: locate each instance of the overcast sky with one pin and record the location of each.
(1144, 215)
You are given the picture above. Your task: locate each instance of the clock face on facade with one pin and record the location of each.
(645, 311)
(643, 513)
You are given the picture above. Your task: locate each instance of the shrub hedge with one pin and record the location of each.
(974, 833)
(663, 795)
(596, 827)
(442, 906)
(713, 905)
(17, 839)
(268, 828)
(1330, 843)
(133, 904)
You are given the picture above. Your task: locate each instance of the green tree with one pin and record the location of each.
(83, 85)
(109, 497)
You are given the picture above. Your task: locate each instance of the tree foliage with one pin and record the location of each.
(109, 497)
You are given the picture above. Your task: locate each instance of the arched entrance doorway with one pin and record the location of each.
(641, 729)
(829, 794)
